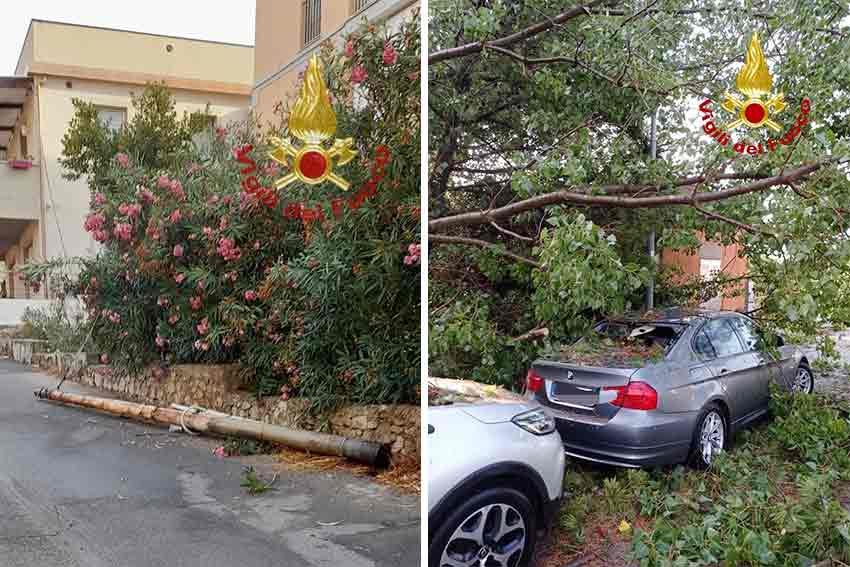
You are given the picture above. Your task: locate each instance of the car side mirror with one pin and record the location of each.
(780, 341)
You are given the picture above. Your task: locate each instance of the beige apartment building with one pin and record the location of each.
(42, 214)
(288, 31)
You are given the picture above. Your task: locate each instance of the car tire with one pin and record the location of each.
(803, 368)
(710, 421)
(502, 507)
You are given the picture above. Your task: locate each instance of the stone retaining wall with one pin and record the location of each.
(217, 387)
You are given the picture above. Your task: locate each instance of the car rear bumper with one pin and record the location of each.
(631, 438)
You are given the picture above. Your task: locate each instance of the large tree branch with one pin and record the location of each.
(589, 197)
(442, 239)
(528, 61)
(743, 226)
(540, 27)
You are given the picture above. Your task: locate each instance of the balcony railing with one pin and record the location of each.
(19, 192)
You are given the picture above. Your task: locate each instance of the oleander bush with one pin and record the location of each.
(195, 268)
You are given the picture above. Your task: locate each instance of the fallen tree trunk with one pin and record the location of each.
(367, 452)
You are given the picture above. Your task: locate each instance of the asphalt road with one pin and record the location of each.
(81, 489)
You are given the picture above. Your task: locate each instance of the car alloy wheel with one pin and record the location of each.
(712, 436)
(492, 536)
(803, 381)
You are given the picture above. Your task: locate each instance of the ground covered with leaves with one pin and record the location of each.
(780, 496)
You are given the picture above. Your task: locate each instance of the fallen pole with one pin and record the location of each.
(367, 452)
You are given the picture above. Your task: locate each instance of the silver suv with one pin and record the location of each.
(495, 478)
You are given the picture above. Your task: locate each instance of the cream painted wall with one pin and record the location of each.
(279, 56)
(122, 51)
(69, 204)
(19, 193)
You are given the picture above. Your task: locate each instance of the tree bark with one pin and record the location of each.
(583, 196)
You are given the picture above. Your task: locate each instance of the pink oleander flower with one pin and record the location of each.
(228, 250)
(175, 216)
(271, 169)
(208, 231)
(178, 251)
(390, 55)
(129, 210)
(359, 74)
(100, 235)
(246, 199)
(172, 320)
(147, 196)
(123, 160)
(256, 245)
(414, 252)
(162, 301)
(202, 345)
(200, 285)
(204, 326)
(232, 276)
(220, 133)
(123, 231)
(94, 222)
(163, 182)
(99, 199)
(195, 302)
(250, 295)
(220, 452)
(179, 278)
(177, 190)
(160, 341)
(349, 48)
(226, 200)
(222, 224)
(104, 358)
(285, 392)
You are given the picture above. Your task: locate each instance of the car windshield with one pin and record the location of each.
(623, 344)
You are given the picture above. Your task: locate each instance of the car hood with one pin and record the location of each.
(497, 413)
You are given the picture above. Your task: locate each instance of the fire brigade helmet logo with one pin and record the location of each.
(312, 121)
(754, 82)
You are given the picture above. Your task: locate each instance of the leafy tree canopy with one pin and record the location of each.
(539, 119)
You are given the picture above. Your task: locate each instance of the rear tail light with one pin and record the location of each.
(533, 381)
(635, 395)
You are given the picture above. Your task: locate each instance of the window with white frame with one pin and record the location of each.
(112, 118)
(312, 20)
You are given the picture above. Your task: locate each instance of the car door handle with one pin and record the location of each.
(724, 370)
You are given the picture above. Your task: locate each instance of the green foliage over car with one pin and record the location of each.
(540, 115)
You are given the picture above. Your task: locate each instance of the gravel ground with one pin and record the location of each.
(835, 382)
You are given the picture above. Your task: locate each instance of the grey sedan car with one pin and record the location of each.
(667, 389)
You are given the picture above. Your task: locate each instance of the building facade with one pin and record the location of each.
(288, 31)
(713, 258)
(41, 213)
